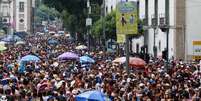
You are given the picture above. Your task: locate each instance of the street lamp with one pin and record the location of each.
(103, 25)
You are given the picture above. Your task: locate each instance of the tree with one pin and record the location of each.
(110, 26)
(46, 13)
(75, 13)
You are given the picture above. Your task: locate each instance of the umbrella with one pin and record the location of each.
(133, 61)
(11, 38)
(52, 42)
(21, 34)
(2, 48)
(28, 58)
(20, 43)
(68, 56)
(81, 47)
(92, 95)
(86, 59)
(3, 43)
(137, 62)
(120, 60)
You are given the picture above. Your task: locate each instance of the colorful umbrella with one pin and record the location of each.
(68, 56)
(86, 59)
(81, 47)
(133, 61)
(137, 62)
(92, 96)
(11, 38)
(53, 42)
(30, 58)
(120, 60)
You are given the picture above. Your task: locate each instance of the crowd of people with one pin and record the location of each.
(50, 79)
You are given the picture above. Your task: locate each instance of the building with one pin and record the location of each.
(184, 33)
(184, 36)
(6, 14)
(17, 15)
(23, 16)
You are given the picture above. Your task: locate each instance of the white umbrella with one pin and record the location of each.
(81, 47)
(20, 43)
(2, 43)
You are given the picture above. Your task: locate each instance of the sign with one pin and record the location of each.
(126, 19)
(121, 38)
(88, 22)
(197, 50)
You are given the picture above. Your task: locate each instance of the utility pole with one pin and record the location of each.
(0, 16)
(88, 23)
(146, 31)
(167, 25)
(155, 27)
(103, 25)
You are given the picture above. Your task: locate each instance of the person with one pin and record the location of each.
(123, 20)
(132, 19)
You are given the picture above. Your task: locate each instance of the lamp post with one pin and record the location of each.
(103, 25)
(155, 26)
(0, 16)
(88, 23)
(167, 25)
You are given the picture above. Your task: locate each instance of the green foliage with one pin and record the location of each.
(46, 13)
(74, 12)
(110, 26)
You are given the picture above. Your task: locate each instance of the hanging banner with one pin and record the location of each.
(126, 19)
(197, 50)
(121, 38)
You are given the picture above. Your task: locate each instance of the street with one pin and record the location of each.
(99, 50)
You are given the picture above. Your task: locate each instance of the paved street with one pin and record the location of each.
(100, 50)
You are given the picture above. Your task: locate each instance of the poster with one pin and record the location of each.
(126, 19)
(197, 50)
(121, 38)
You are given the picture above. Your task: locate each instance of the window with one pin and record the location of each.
(159, 45)
(5, 10)
(137, 48)
(111, 8)
(106, 10)
(21, 7)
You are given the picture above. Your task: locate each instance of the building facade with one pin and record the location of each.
(17, 15)
(184, 33)
(23, 13)
(6, 14)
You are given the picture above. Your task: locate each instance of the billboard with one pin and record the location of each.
(126, 19)
(197, 50)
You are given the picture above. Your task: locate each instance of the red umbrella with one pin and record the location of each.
(137, 62)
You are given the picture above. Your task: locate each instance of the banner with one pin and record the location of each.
(121, 38)
(126, 19)
(197, 50)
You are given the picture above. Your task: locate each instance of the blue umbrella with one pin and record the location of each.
(91, 95)
(53, 42)
(86, 59)
(29, 58)
(11, 38)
